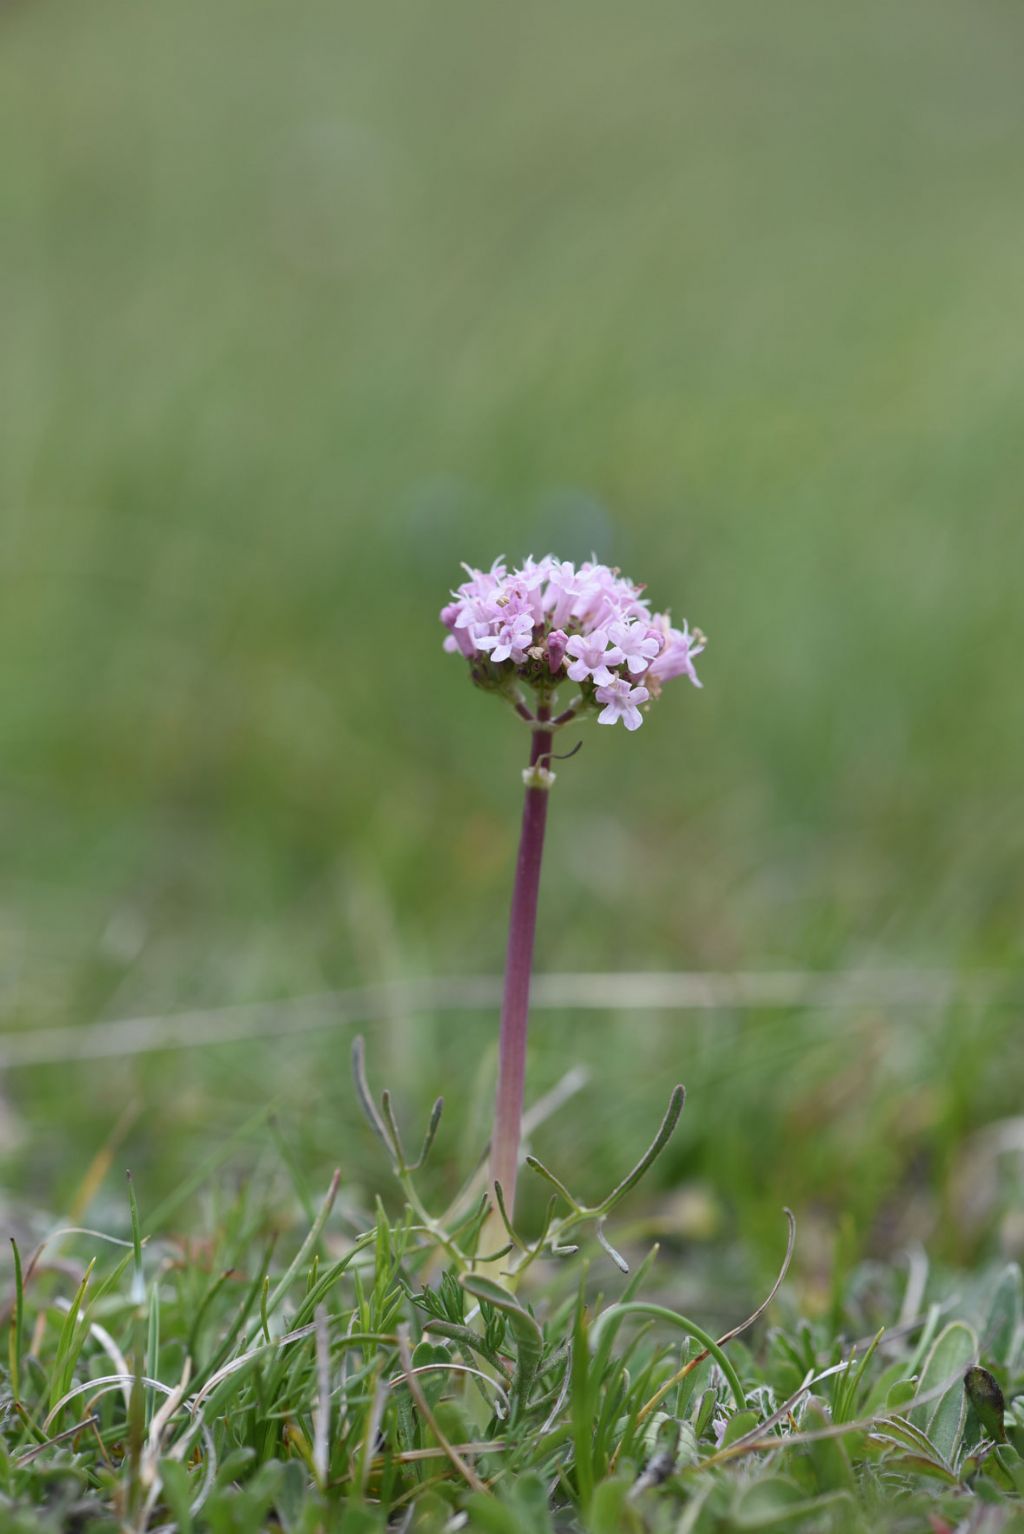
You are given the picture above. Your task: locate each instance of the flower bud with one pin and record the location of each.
(557, 641)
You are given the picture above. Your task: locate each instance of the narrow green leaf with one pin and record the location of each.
(635, 1283)
(153, 1348)
(203, 1311)
(366, 1101)
(299, 1261)
(139, 1284)
(59, 1372)
(829, 1460)
(608, 1322)
(528, 1335)
(437, 1326)
(549, 1176)
(326, 1283)
(651, 1154)
(17, 1333)
(241, 1317)
(581, 1405)
(428, 1138)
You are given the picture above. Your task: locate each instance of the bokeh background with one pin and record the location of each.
(302, 306)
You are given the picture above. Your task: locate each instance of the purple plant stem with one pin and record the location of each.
(515, 1005)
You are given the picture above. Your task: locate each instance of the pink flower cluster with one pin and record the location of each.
(549, 620)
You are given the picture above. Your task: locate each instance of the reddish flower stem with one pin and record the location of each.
(518, 964)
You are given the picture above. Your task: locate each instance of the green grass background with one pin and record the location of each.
(302, 305)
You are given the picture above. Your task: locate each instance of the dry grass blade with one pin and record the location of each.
(101, 1386)
(28, 1455)
(453, 1368)
(413, 1456)
(149, 1474)
(759, 1312)
(661, 992)
(464, 1469)
(755, 1315)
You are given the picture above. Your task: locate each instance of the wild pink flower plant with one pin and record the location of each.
(529, 634)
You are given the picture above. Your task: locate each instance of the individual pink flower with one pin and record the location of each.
(459, 640)
(621, 701)
(592, 654)
(565, 587)
(511, 642)
(677, 658)
(607, 597)
(638, 643)
(533, 578)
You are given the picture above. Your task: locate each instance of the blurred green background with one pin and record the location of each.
(305, 304)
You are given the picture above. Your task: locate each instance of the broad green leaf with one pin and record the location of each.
(291, 1496)
(779, 1503)
(908, 1435)
(466, 1336)
(361, 1520)
(922, 1464)
(687, 1452)
(610, 1512)
(739, 1425)
(893, 1374)
(900, 1394)
(704, 1411)
(528, 1496)
(953, 1350)
(490, 1516)
(769, 1499)
(431, 1514)
(424, 1354)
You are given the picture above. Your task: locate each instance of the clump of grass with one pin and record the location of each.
(374, 1374)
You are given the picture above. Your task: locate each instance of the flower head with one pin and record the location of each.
(549, 623)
